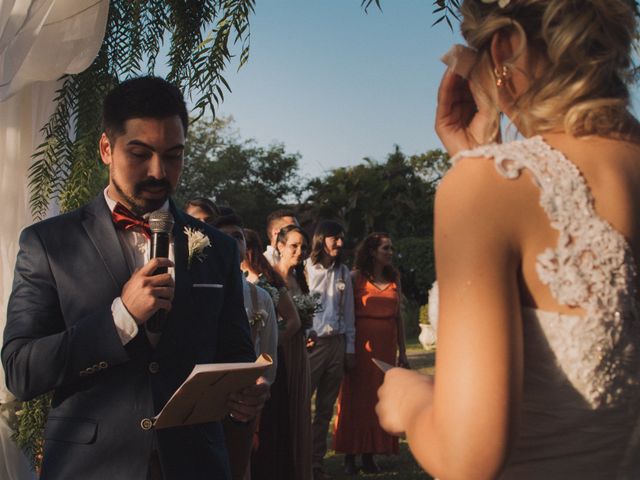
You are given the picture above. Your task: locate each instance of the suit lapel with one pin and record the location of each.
(99, 227)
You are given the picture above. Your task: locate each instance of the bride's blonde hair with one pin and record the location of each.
(585, 47)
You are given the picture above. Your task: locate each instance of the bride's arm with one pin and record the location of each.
(461, 427)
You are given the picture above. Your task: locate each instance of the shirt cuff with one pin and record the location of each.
(126, 326)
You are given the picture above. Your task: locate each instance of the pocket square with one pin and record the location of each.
(207, 285)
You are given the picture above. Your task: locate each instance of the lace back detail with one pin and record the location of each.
(591, 267)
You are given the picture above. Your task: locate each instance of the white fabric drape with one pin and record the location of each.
(40, 40)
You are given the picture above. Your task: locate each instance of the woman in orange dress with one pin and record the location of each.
(379, 334)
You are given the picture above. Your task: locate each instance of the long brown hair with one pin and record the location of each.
(364, 261)
(258, 262)
(326, 228)
(298, 270)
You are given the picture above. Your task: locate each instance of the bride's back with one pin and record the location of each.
(610, 169)
(536, 241)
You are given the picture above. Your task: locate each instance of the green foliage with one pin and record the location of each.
(67, 165)
(394, 197)
(410, 310)
(423, 315)
(252, 180)
(417, 265)
(447, 10)
(31, 420)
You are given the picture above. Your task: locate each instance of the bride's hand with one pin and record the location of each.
(461, 117)
(403, 394)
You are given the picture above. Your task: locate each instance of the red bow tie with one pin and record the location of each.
(124, 219)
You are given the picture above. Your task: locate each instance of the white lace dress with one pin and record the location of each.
(579, 416)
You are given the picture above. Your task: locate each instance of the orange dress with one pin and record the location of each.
(357, 429)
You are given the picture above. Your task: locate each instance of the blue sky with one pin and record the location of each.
(335, 84)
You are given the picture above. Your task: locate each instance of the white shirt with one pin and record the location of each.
(336, 297)
(266, 339)
(135, 246)
(272, 255)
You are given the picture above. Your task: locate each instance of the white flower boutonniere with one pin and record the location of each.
(340, 285)
(197, 242)
(501, 3)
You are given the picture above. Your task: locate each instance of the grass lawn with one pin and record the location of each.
(394, 467)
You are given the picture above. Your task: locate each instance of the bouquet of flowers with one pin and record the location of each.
(307, 305)
(273, 292)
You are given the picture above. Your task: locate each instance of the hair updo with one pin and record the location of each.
(585, 47)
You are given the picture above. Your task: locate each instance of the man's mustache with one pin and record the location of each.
(153, 183)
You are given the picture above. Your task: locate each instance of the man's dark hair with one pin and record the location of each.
(258, 262)
(142, 97)
(326, 228)
(207, 206)
(277, 215)
(229, 220)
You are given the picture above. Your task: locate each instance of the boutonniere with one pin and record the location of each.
(340, 285)
(197, 241)
(259, 317)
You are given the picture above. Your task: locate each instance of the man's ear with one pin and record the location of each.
(104, 145)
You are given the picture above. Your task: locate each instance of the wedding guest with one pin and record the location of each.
(264, 332)
(379, 335)
(257, 301)
(275, 222)
(536, 244)
(81, 318)
(272, 455)
(203, 209)
(292, 245)
(333, 351)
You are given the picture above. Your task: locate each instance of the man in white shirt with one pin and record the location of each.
(333, 351)
(275, 222)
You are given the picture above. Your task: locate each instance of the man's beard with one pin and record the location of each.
(137, 203)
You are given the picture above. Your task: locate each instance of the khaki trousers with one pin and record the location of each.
(327, 368)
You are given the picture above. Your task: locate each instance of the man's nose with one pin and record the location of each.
(156, 167)
(340, 242)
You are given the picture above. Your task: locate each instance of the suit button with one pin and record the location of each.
(146, 424)
(103, 365)
(154, 367)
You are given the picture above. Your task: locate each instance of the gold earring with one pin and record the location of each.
(501, 75)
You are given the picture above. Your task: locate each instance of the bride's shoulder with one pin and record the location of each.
(487, 184)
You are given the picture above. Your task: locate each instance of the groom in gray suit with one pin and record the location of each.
(83, 293)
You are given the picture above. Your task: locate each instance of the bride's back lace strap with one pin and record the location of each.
(591, 266)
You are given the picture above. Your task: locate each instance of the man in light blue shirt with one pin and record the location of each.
(333, 351)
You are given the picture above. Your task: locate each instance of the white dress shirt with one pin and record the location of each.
(336, 298)
(266, 333)
(272, 255)
(135, 246)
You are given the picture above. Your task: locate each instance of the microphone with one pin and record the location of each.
(161, 224)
